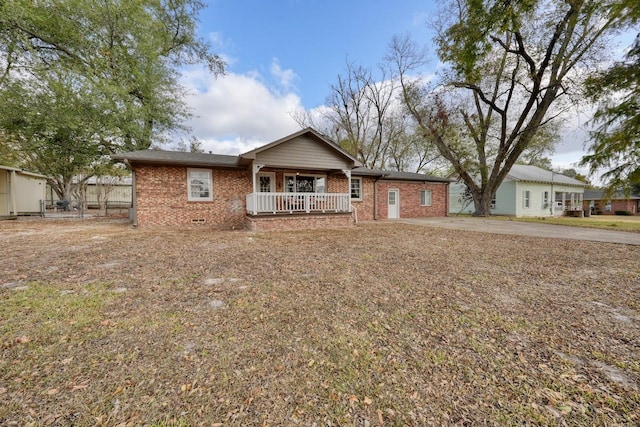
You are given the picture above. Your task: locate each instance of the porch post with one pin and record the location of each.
(347, 173)
(254, 174)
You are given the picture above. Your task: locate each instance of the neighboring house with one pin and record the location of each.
(96, 192)
(300, 181)
(21, 192)
(528, 191)
(598, 203)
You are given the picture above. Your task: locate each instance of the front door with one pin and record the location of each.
(393, 210)
(266, 184)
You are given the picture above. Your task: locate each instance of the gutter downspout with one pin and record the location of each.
(134, 196)
(446, 199)
(375, 197)
(13, 193)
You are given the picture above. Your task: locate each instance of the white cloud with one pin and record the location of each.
(235, 113)
(285, 77)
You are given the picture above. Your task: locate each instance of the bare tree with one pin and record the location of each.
(510, 63)
(365, 115)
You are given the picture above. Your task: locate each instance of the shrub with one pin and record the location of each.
(623, 213)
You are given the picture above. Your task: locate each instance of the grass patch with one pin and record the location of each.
(381, 324)
(629, 224)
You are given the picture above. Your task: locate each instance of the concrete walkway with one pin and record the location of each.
(529, 229)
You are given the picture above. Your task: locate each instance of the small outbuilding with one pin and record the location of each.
(21, 192)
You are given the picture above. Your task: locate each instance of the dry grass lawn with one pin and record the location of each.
(604, 222)
(382, 324)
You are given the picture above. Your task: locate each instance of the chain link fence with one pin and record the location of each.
(80, 208)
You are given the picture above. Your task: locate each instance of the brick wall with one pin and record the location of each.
(298, 222)
(410, 199)
(366, 206)
(616, 205)
(162, 198)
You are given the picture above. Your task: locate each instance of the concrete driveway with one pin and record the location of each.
(528, 229)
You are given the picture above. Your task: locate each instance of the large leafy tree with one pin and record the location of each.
(616, 142)
(93, 77)
(512, 65)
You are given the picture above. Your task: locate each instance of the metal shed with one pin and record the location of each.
(21, 192)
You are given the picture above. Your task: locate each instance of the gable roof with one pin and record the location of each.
(600, 195)
(242, 161)
(530, 173)
(307, 132)
(178, 158)
(22, 171)
(396, 175)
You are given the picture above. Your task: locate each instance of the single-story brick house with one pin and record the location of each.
(600, 204)
(303, 180)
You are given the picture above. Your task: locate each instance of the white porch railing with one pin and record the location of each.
(297, 202)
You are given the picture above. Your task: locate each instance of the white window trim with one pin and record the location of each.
(353, 179)
(545, 199)
(199, 199)
(271, 175)
(526, 199)
(430, 197)
(295, 175)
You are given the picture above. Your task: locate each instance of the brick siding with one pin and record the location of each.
(409, 196)
(616, 205)
(298, 222)
(365, 207)
(162, 198)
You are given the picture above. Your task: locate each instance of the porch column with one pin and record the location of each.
(347, 173)
(254, 175)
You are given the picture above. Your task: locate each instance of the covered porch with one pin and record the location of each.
(568, 203)
(290, 203)
(301, 174)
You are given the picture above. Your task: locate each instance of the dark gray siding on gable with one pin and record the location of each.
(303, 153)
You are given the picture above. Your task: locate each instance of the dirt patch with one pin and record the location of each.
(382, 324)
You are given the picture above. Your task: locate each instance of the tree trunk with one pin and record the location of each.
(482, 205)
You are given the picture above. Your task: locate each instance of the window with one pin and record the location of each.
(356, 188)
(425, 198)
(526, 199)
(199, 185)
(545, 199)
(493, 202)
(305, 183)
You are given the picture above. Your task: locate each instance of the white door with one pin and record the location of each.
(393, 210)
(266, 184)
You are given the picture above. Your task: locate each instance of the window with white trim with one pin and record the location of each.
(545, 199)
(305, 183)
(199, 185)
(526, 199)
(356, 188)
(425, 198)
(493, 202)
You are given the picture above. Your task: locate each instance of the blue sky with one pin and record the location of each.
(311, 38)
(283, 55)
